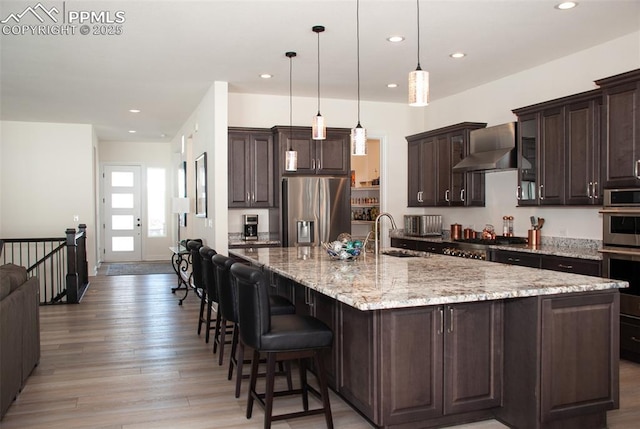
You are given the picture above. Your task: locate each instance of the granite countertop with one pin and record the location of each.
(373, 283)
(554, 246)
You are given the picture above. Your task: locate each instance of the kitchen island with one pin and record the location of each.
(434, 340)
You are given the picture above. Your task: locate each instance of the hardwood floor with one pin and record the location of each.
(128, 357)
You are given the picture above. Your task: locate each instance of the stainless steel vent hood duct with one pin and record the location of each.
(491, 148)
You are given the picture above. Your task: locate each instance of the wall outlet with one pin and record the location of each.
(76, 218)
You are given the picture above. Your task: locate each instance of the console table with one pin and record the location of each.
(181, 262)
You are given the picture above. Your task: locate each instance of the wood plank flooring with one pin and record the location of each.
(128, 357)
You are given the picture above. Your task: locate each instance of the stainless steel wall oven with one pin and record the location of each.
(621, 260)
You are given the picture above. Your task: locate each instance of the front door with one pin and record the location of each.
(122, 214)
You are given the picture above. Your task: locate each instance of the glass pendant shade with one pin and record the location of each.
(358, 140)
(318, 128)
(291, 160)
(419, 87)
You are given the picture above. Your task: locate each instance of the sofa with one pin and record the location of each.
(19, 331)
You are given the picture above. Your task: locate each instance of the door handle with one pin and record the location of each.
(441, 328)
(450, 328)
(462, 195)
(541, 192)
(518, 192)
(637, 168)
(446, 195)
(595, 190)
(589, 193)
(319, 165)
(313, 164)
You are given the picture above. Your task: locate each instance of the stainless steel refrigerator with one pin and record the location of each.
(314, 209)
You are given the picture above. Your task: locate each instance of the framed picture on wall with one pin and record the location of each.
(182, 188)
(201, 185)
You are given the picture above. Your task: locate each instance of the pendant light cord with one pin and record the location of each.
(418, 22)
(358, 52)
(318, 72)
(290, 55)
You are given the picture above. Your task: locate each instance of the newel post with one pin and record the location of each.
(83, 264)
(72, 271)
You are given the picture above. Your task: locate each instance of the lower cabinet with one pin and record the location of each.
(441, 360)
(561, 357)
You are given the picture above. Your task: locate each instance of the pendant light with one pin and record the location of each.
(291, 157)
(318, 129)
(418, 79)
(358, 134)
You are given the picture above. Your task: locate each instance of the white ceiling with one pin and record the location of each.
(171, 52)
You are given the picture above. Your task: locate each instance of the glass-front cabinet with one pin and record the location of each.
(528, 160)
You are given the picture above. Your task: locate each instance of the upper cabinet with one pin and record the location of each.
(431, 158)
(251, 167)
(328, 157)
(621, 134)
(558, 148)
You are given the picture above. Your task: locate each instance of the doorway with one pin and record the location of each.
(122, 213)
(365, 190)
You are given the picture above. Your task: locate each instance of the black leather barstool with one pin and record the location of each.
(210, 291)
(282, 337)
(228, 307)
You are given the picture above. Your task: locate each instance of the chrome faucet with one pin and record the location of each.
(375, 228)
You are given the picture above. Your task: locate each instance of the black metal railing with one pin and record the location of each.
(59, 263)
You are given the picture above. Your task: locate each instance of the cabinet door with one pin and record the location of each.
(474, 189)
(413, 174)
(444, 191)
(582, 173)
(528, 161)
(428, 180)
(239, 148)
(579, 346)
(621, 145)
(358, 368)
(261, 171)
(325, 309)
(459, 194)
(572, 265)
(332, 154)
(412, 384)
(551, 168)
(472, 350)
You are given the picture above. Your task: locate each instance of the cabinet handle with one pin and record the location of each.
(446, 195)
(637, 168)
(635, 339)
(313, 164)
(420, 200)
(319, 165)
(595, 190)
(253, 197)
(462, 195)
(566, 267)
(518, 192)
(441, 328)
(450, 320)
(542, 192)
(248, 197)
(513, 259)
(589, 187)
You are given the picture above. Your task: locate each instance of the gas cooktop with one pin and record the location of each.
(499, 240)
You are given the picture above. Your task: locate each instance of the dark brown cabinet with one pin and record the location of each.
(447, 361)
(561, 354)
(329, 157)
(431, 158)
(517, 258)
(585, 267)
(558, 145)
(621, 136)
(251, 167)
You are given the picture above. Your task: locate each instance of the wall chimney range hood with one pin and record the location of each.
(491, 148)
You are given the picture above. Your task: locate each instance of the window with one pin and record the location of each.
(156, 202)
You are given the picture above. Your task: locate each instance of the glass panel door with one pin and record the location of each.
(122, 214)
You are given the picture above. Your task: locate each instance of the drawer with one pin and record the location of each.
(630, 334)
(572, 265)
(517, 258)
(427, 246)
(404, 243)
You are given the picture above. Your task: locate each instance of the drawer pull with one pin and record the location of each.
(567, 267)
(637, 340)
(514, 259)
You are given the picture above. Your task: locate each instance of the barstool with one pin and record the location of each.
(282, 337)
(195, 279)
(209, 292)
(228, 307)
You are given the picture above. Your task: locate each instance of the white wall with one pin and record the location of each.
(47, 176)
(493, 102)
(206, 131)
(147, 155)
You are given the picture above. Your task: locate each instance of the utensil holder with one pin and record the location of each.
(533, 237)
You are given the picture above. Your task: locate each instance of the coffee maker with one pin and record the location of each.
(250, 227)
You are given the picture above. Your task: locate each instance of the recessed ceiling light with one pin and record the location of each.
(266, 76)
(458, 55)
(163, 135)
(392, 85)
(395, 39)
(132, 131)
(134, 110)
(566, 5)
